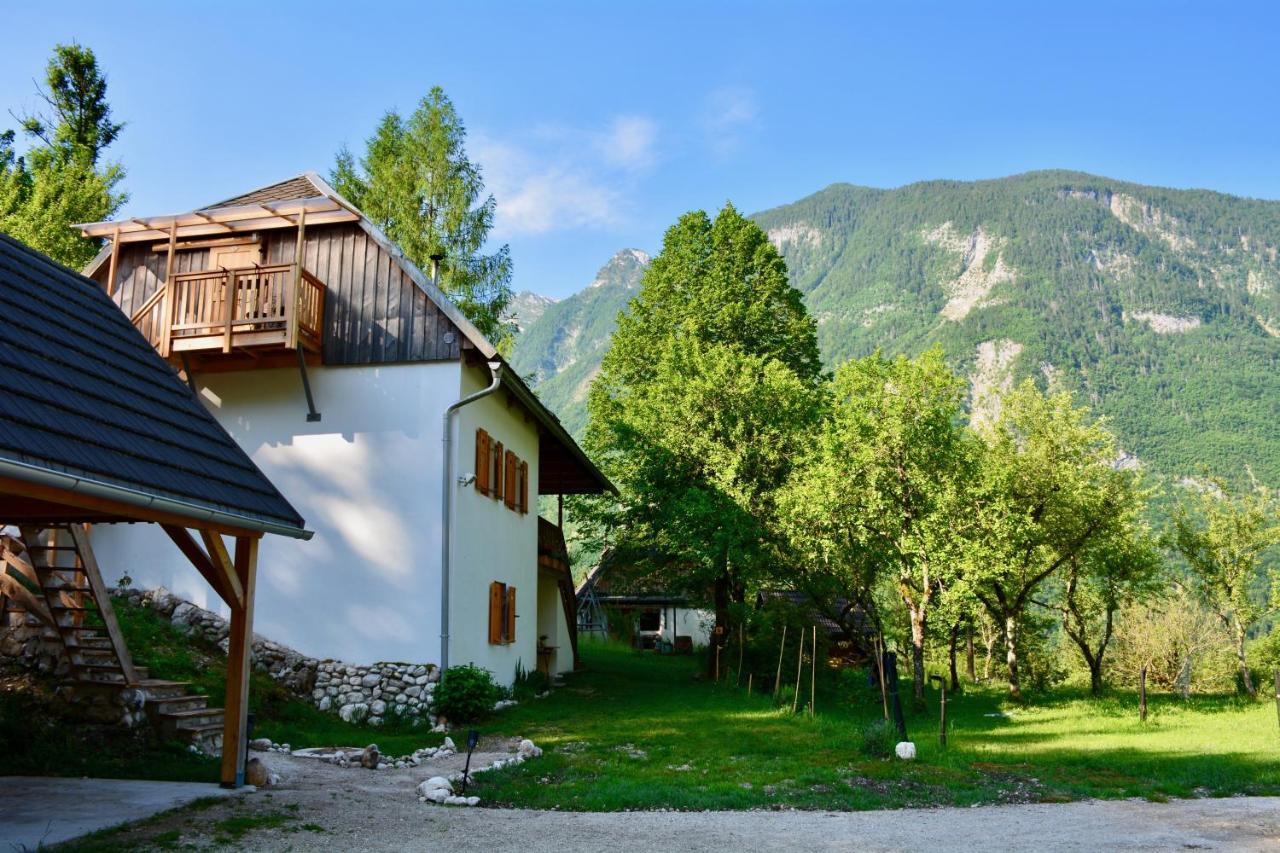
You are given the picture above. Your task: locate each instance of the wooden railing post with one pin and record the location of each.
(239, 655)
(293, 298)
(229, 305)
(166, 311)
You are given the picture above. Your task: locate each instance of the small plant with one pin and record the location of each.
(465, 693)
(877, 739)
(528, 684)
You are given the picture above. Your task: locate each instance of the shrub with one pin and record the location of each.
(465, 693)
(878, 738)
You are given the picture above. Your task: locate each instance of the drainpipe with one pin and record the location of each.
(446, 506)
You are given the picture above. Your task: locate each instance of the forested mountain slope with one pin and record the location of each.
(1160, 308)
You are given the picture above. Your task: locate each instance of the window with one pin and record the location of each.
(502, 614)
(501, 474)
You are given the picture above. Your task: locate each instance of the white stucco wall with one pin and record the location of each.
(493, 543)
(366, 479)
(687, 623)
(551, 622)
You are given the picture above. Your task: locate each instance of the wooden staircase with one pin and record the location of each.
(52, 574)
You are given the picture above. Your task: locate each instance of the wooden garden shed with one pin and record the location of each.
(95, 428)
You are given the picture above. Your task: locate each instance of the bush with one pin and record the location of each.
(465, 693)
(878, 738)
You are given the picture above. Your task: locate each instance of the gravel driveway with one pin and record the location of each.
(332, 808)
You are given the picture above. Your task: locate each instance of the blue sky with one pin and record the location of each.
(598, 124)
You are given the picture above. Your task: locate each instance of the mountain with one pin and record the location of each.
(1159, 308)
(525, 308)
(560, 352)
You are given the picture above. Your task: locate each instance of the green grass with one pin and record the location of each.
(639, 732)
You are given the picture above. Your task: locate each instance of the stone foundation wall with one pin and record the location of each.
(367, 693)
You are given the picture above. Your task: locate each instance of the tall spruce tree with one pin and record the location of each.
(61, 179)
(700, 407)
(416, 182)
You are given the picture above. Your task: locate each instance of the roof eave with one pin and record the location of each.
(80, 484)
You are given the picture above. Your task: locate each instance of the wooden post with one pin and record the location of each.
(239, 652)
(737, 681)
(229, 305)
(717, 662)
(813, 674)
(1142, 695)
(166, 302)
(1278, 696)
(750, 677)
(777, 679)
(884, 697)
(115, 262)
(294, 297)
(795, 700)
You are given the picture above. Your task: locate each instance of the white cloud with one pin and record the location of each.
(629, 143)
(560, 178)
(729, 114)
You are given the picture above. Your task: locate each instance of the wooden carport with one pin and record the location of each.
(96, 428)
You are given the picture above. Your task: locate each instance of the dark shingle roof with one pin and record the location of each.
(299, 187)
(81, 392)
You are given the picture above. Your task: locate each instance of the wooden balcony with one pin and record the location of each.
(274, 307)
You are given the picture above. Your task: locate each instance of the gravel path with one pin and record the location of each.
(335, 808)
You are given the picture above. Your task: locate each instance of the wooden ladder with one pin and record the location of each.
(60, 564)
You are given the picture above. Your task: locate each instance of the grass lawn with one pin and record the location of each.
(639, 732)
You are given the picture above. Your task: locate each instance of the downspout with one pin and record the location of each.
(446, 505)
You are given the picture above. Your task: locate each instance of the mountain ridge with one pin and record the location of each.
(1159, 308)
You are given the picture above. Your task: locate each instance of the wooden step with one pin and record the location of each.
(174, 704)
(195, 718)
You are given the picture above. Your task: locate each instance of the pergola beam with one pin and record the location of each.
(239, 653)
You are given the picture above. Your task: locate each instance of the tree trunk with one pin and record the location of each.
(1246, 681)
(951, 651)
(720, 635)
(969, 669)
(1011, 655)
(917, 654)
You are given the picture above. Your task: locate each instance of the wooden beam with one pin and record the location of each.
(293, 299)
(78, 506)
(239, 651)
(103, 598)
(166, 312)
(195, 555)
(115, 262)
(222, 562)
(229, 305)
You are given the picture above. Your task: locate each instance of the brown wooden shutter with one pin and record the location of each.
(511, 614)
(482, 462)
(524, 487)
(497, 600)
(512, 492)
(498, 482)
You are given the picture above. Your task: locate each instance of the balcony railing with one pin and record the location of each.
(280, 305)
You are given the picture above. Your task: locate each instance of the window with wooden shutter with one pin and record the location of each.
(524, 488)
(497, 482)
(497, 612)
(511, 614)
(482, 462)
(512, 491)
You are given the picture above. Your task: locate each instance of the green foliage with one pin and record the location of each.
(1048, 491)
(1228, 540)
(879, 496)
(417, 184)
(465, 694)
(60, 180)
(701, 405)
(878, 738)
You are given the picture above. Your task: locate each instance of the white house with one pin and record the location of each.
(400, 434)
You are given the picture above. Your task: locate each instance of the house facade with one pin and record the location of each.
(415, 453)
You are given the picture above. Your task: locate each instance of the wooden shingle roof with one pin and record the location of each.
(298, 187)
(83, 394)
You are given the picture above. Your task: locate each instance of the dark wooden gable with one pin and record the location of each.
(374, 312)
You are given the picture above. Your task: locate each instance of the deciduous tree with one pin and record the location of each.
(1227, 540)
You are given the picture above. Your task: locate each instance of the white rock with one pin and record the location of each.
(473, 801)
(439, 795)
(906, 750)
(449, 745)
(527, 749)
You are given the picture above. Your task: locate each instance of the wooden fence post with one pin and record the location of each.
(777, 679)
(1142, 695)
(813, 674)
(795, 700)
